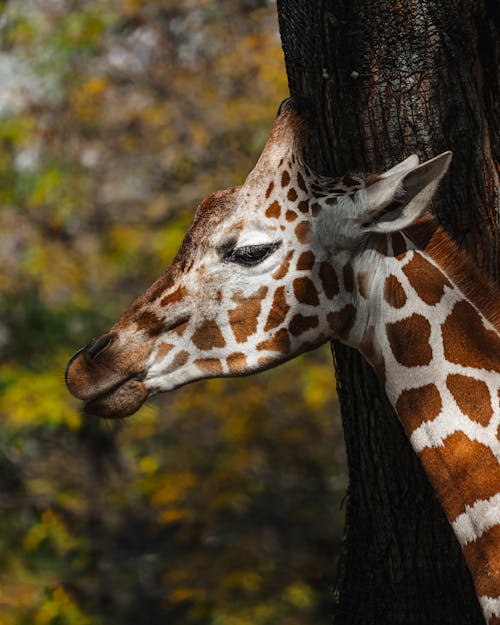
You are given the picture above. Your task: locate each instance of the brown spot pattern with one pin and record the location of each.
(472, 397)
(269, 189)
(399, 248)
(292, 195)
(394, 294)
(426, 279)
(483, 559)
(306, 261)
(236, 362)
(302, 231)
(210, 366)
(274, 210)
(379, 242)
(265, 361)
(283, 268)
(467, 342)
(175, 296)
(279, 309)
(208, 335)
(341, 321)
(179, 330)
(409, 340)
(279, 342)
(315, 209)
(417, 405)
(329, 279)
(285, 178)
(331, 201)
(244, 318)
(348, 276)
(305, 291)
(163, 350)
(150, 323)
(290, 215)
(179, 360)
(301, 182)
(300, 324)
(304, 206)
(462, 471)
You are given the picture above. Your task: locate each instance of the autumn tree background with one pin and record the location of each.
(219, 504)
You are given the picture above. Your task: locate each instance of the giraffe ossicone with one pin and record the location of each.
(289, 260)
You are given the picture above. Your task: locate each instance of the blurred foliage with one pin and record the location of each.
(220, 503)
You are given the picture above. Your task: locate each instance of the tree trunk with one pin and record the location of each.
(390, 78)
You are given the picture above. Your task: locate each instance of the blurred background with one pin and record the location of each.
(218, 504)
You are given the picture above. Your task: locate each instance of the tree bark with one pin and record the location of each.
(390, 78)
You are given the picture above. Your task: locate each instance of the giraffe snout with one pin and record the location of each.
(100, 366)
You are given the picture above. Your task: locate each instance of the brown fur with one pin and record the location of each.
(302, 231)
(417, 405)
(467, 342)
(427, 280)
(274, 210)
(329, 279)
(236, 362)
(279, 342)
(209, 366)
(462, 471)
(341, 322)
(285, 178)
(306, 261)
(208, 335)
(409, 340)
(283, 268)
(305, 291)
(472, 397)
(458, 267)
(244, 318)
(300, 324)
(279, 309)
(394, 294)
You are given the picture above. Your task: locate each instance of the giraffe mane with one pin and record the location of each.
(458, 266)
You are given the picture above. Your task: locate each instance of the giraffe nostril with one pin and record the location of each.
(99, 345)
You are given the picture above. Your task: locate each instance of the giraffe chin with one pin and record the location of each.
(121, 401)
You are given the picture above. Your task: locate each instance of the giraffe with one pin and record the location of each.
(291, 259)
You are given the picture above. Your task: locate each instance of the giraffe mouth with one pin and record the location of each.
(119, 401)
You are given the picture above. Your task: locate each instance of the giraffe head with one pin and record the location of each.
(263, 274)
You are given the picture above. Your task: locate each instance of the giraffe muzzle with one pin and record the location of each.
(97, 374)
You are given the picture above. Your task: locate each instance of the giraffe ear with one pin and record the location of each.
(400, 196)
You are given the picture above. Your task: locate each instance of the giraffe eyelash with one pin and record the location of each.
(251, 255)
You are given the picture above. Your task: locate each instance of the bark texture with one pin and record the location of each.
(390, 78)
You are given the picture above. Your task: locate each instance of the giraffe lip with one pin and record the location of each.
(119, 401)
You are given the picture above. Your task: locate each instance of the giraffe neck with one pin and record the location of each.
(431, 331)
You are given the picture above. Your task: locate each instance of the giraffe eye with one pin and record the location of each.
(251, 255)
